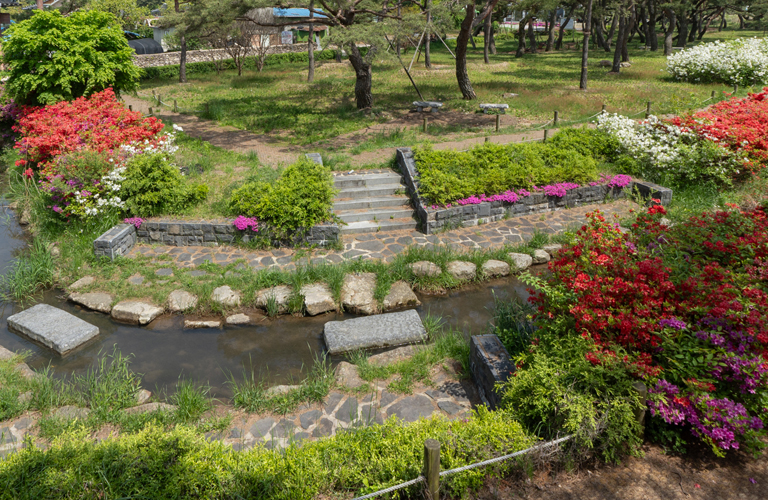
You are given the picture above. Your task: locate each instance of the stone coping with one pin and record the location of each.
(445, 218)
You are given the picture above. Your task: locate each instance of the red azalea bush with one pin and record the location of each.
(684, 308)
(99, 123)
(740, 125)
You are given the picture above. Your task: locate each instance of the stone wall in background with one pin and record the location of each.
(195, 56)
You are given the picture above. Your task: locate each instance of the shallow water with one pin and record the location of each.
(277, 349)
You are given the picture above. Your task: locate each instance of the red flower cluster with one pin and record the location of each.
(737, 124)
(99, 123)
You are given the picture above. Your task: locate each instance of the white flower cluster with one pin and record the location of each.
(650, 141)
(100, 199)
(165, 144)
(743, 61)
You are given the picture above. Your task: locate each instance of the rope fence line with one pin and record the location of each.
(432, 474)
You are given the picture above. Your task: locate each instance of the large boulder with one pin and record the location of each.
(181, 300)
(425, 268)
(136, 312)
(540, 257)
(98, 301)
(521, 261)
(400, 295)
(280, 293)
(317, 299)
(225, 296)
(493, 268)
(462, 270)
(357, 293)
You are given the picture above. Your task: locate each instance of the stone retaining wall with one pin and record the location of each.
(471, 215)
(118, 240)
(195, 56)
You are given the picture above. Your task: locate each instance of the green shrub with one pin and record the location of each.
(54, 58)
(301, 198)
(588, 142)
(179, 463)
(154, 186)
(446, 176)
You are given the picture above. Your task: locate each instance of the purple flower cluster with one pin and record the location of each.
(719, 421)
(136, 221)
(507, 196)
(673, 323)
(612, 181)
(560, 189)
(242, 223)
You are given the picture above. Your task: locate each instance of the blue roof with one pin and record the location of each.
(278, 12)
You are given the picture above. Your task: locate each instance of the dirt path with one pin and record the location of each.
(655, 476)
(273, 152)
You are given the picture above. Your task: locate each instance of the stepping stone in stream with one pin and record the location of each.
(400, 295)
(181, 300)
(136, 312)
(521, 261)
(540, 257)
(425, 268)
(97, 301)
(280, 293)
(462, 270)
(317, 299)
(357, 293)
(493, 268)
(53, 327)
(382, 330)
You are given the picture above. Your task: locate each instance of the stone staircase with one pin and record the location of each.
(372, 202)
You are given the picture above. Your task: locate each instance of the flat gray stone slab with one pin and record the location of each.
(381, 330)
(53, 327)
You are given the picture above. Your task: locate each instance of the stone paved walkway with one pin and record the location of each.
(386, 245)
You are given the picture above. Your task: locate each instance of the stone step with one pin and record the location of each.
(374, 215)
(363, 180)
(393, 201)
(358, 193)
(381, 330)
(376, 226)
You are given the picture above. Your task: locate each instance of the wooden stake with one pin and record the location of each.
(130, 108)
(425, 124)
(175, 107)
(603, 108)
(546, 134)
(648, 109)
(556, 118)
(150, 110)
(432, 467)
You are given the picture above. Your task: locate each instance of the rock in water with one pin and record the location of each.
(382, 330)
(53, 327)
(225, 296)
(98, 301)
(540, 257)
(425, 268)
(400, 295)
(136, 312)
(357, 293)
(317, 299)
(281, 294)
(521, 261)
(495, 268)
(462, 270)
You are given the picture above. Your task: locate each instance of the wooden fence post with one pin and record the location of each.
(130, 108)
(603, 110)
(175, 107)
(556, 118)
(432, 467)
(546, 134)
(425, 124)
(648, 109)
(150, 110)
(498, 122)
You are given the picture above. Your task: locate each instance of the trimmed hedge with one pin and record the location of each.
(180, 463)
(199, 68)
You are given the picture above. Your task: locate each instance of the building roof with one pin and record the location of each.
(278, 12)
(146, 46)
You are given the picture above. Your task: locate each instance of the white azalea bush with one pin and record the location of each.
(667, 153)
(743, 61)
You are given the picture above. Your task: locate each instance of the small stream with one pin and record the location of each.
(276, 349)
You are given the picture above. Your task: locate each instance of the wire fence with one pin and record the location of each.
(435, 457)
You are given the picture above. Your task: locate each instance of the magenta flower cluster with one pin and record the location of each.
(673, 323)
(136, 221)
(242, 223)
(720, 421)
(560, 190)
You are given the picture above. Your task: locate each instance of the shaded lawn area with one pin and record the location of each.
(280, 103)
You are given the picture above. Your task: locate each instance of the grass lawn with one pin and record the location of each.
(280, 103)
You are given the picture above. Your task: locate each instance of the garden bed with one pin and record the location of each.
(435, 219)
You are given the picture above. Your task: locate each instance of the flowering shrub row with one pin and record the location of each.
(683, 308)
(743, 61)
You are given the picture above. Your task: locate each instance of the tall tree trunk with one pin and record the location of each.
(585, 46)
(427, 48)
(183, 56)
(631, 23)
(493, 40)
(723, 23)
(311, 45)
(363, 77)
(609, 38)
(642, 26)
(682, 32)
(617, 51)
(741, 21)
(703, 29)
(561, 30)
(653, 38)
(551, 31)
(487, 38)
(397, 41)
(599, 38)
(670, 32)
(40, 6)
(532, 36)
(521, 36)
(462, 77)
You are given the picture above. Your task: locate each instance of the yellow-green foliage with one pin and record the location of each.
(446, 176)
(301, 198)
(180, 463)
